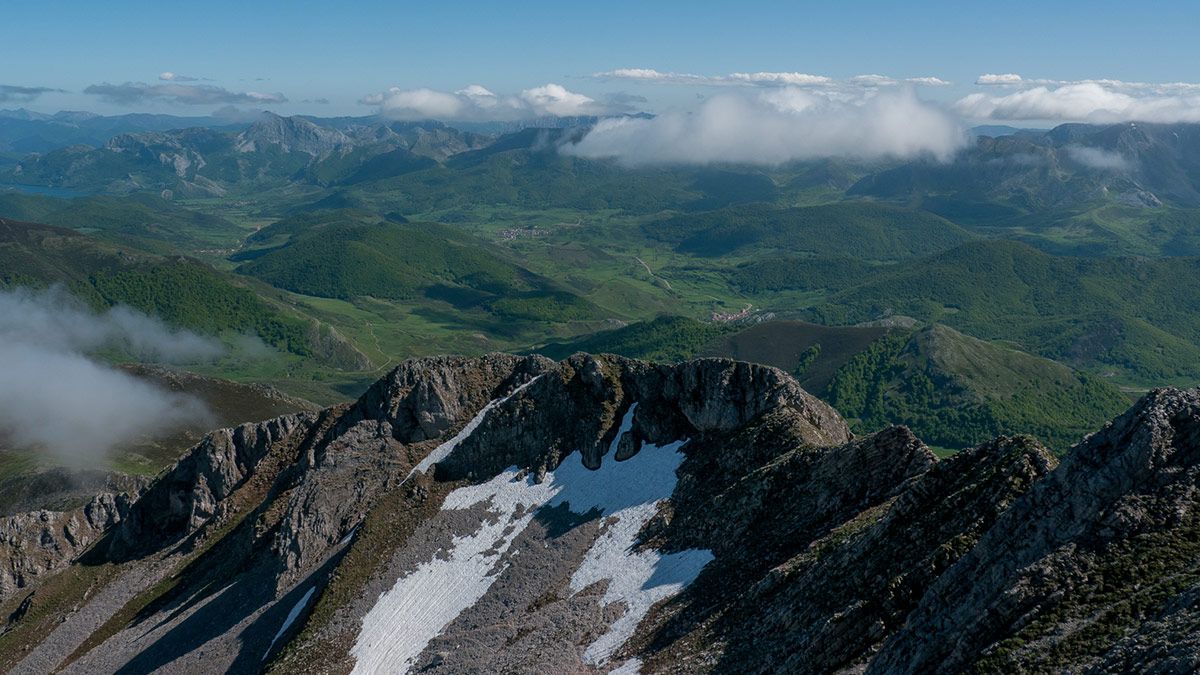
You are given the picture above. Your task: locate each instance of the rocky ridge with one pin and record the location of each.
(770, 539)
(207, 161)
(39, 542)
(290, 134)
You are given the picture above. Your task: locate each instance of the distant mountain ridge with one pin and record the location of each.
(210, 161)
(1130, 314)
(24, 131)
(996, 178)
(1132, 163)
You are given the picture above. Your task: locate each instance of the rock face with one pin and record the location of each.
(1068, 575)
(194, 491)
(843, 551)
(511, 513)
(37, 543)
(290, 134)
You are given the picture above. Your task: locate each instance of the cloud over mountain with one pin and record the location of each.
(1015, 80)
(780, 125)
(476, 103)
(1099, 158)
(53, 395)
(760, 79)
(194, 94)
(1098, 101)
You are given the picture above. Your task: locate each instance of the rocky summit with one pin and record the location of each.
(602, 514)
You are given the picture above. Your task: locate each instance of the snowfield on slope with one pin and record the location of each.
(406, 618)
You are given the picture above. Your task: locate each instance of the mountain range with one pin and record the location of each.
(351, 243)
(599, 513)
(209, 160)
(24, 131)
(836, 415)
(1002, 172)
(1133, 163)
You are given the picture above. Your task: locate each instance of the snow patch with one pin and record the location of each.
(291, 618)
(420, 605)
(443, 451)
(627, 494)
(416, 610)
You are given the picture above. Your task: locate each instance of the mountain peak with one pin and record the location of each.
(290, 134)
(603, 512)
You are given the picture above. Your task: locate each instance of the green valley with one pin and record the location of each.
(362, 243)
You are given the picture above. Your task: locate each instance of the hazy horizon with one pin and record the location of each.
(1024, 63)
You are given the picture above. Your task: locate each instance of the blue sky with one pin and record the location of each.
(342, 52)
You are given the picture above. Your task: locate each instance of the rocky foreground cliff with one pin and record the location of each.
(513, 514)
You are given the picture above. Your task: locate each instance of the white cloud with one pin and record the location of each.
(1001, 79)
(761, 79)
(54, 396)
(556, 100)
(476, 90)
(929, 81)
(790, 79)
(54, 319)
(80, 409)
(885, 81)
(168, 76)
(1015, 80)
(873, 81)
(422, 103)
(476, 103)
(650, 75)
(1098, 158)
(1092, 101)
(780, 125)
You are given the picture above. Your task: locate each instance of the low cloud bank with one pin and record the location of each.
(53, 319)
(1010, 80)
(780, 125)
(53, 395)
(479, 104)
(1097, 101)
(1097, 158)
(762, 79)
